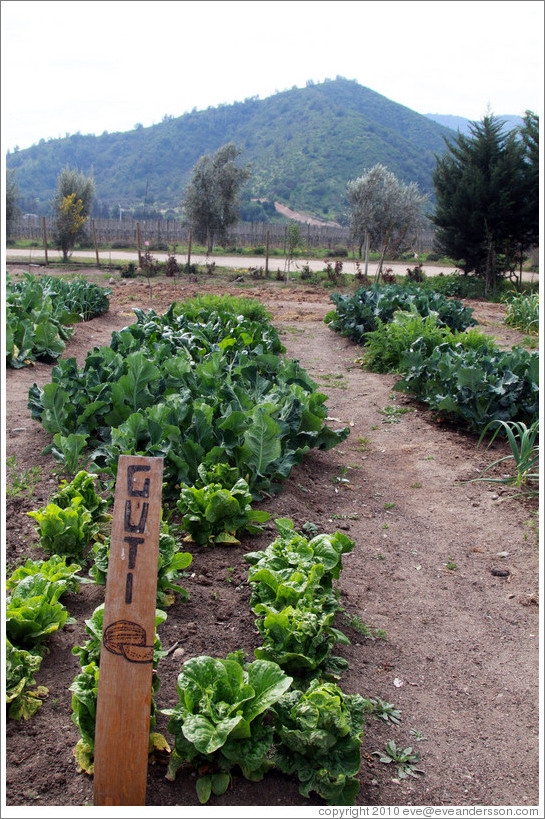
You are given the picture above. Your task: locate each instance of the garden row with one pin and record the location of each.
(458, 372)
(40, 313)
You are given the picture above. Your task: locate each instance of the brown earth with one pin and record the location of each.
(456, 649)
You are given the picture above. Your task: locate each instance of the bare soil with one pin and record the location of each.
(458, 653)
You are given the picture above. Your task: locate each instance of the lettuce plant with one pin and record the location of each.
(300, 638)
(214, 514)
(292, 567)
(83, 485)
(318, 735)
(219, 722)
(55, 570)
(33, 611)
(22, 697)
(66, 531)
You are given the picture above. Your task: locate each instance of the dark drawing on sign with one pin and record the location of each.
(128, 639)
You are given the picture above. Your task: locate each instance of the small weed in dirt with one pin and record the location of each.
(451, 565)
(362, 628)
(416, 486)
(384, 710)
(23, 481)
(341, 477)
(334, 381)
(393, 413)
(532, 528)
(363, 444)
(405, 758)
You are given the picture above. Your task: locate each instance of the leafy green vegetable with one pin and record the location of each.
(83, 485)
(476, 387)
(357, 315)
(219, 720)
(39, 312)
(293, 568)
(214, 514)
(60, 576)
(299, 638)
(386, 346)
(33, 611)
(192, 392)
(22, 697)
(318, 735)
(68, 450)
(66, 531)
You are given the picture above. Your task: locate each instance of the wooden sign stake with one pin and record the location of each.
(126, 657)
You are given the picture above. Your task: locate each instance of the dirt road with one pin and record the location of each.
(238, 262)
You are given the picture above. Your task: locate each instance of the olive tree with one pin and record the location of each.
(211, 199)
(71, 207)
(383, 212)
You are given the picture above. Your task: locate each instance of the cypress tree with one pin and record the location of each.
(482, 200)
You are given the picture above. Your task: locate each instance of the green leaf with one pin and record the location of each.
(58, 411)
(204, 789)
(262, 444)
(220, 783)
(269, 683)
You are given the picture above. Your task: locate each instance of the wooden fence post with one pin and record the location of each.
(267, 256)
(189, 250)
(45, 241)
(128, 634)
(96, 242)
(138, 242)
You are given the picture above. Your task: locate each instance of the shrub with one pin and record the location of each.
(128, 271)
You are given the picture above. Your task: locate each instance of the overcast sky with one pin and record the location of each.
(104, 66)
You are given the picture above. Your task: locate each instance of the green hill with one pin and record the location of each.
(304, 145)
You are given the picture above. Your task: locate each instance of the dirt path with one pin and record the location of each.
(459, 655)
(242, 263)
(239, 263)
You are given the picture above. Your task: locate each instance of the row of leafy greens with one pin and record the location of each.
(280, 710)
(295, 600)
(40, 313)
(360, 313)
(459, 373)
(210, 391)
(33, 612)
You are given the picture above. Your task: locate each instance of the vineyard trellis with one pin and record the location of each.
(171, 231)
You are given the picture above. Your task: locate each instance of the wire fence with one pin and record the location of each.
(161, 233)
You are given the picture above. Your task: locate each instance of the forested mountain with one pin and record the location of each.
(304, 145)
